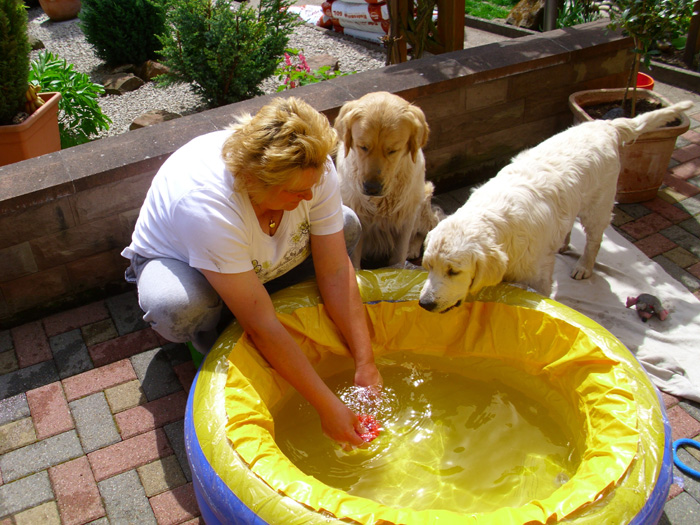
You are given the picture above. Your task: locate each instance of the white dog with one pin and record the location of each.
(382, 177)
(511, 227)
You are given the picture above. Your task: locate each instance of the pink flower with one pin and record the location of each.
(305, 65)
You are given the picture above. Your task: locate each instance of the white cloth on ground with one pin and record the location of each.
(669, 350)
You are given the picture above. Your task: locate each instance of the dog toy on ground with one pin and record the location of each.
(647, 306)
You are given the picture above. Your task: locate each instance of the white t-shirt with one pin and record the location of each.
(192, 214)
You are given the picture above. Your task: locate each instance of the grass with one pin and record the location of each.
(489, 9)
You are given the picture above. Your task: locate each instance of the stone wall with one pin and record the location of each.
(64, 217)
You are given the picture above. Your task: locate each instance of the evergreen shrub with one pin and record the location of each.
(123, 31)
(14, 59)
(224, 50)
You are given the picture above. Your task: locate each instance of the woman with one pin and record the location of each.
(229, 212)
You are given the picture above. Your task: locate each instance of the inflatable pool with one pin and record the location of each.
(525, 379)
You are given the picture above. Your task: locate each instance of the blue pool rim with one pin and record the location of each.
(217, 502)
(219, 505)
(650, 514)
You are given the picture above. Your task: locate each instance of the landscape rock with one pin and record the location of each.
(151, 69)
(528, 14)
(155, 116)
(318, 61)
(120, 83)
(35, 44)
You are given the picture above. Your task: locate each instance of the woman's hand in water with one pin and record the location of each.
(367, 375)
(341, 424)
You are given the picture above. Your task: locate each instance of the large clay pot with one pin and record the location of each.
(645, 161)
(58, 10)
(35, 136)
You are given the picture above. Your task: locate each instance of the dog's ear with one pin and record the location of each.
(347, 116)
(420, 131)
(489, 270)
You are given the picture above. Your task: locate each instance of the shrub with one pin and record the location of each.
(226, 52)
(80, 115)
(14, 59)
(123, 31)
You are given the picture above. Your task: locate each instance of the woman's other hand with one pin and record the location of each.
(367, 375)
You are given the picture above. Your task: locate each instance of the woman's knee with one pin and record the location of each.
(177, 300)
(352, 229)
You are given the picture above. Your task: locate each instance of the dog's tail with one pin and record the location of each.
(631, 128)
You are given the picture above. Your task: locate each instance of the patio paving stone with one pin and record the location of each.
(25, 493)
(31, 344)
(161, 475)
(94, 422)
(46, 514)
(125, 396)
(152, 364)
(39, 456)
(49, 409)
(125, 499)
(98, 379)
(76, 491)
(70, 353)
(129, 454)
(24, 379)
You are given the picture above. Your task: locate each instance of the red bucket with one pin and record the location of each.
(644, 81)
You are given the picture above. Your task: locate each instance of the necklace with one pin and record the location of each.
(272, 224)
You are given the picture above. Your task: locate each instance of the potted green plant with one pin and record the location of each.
(80, 117)
(644, 163)
(28, 120)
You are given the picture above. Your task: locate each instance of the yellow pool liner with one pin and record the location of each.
(612, 402)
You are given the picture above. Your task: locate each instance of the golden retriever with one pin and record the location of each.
(381, 167)
(511, 227)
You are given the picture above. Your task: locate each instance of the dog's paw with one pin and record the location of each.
(580, 272)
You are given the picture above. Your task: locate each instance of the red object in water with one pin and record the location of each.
(372, 427)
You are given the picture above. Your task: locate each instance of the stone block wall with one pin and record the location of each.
(64, 217)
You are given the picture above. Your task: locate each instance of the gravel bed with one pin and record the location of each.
(66, 40)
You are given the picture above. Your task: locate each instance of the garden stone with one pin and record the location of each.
(118, 84)
(155, 116)
(151, 69)
(35, 44)
(528, 14)
(318, 61)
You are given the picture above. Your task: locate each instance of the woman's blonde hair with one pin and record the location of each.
(271, 147)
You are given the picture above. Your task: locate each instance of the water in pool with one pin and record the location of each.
(448, 441)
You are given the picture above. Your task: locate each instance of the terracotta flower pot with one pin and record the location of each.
(58, 10)
(645, 161)
(35, 136)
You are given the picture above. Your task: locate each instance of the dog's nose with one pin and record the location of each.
(428, 305)
(372, 188)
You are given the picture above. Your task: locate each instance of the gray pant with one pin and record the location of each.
(181, 305)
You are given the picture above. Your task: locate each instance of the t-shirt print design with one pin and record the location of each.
(299, 249)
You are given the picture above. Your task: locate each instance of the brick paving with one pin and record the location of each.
(92, 401)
